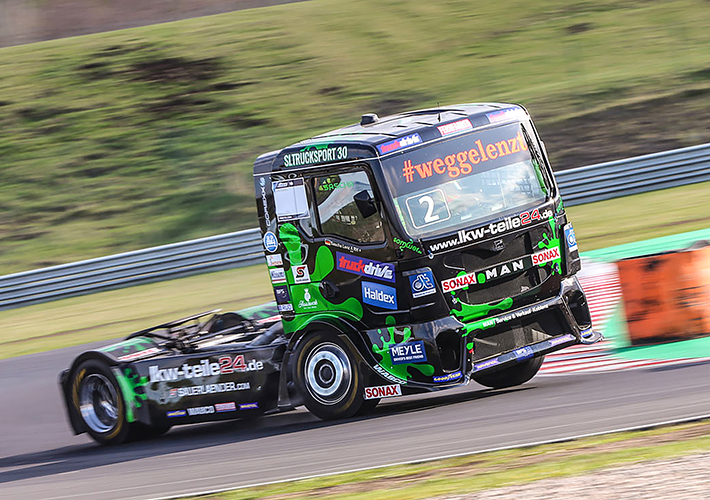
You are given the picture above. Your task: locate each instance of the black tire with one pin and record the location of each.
(327, 377)
(98, 402)
(510, 377)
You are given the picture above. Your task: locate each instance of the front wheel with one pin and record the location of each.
(327, 376)
(97, 399)
(509, 377)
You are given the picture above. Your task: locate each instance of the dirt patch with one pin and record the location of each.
(627, 130)
(176, 69)
(246, 120)
(578, 28)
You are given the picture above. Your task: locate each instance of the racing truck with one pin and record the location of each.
(407, 254)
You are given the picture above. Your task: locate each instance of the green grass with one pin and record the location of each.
(477, 472)
(117, 313)
(133, 138)
(641, 217)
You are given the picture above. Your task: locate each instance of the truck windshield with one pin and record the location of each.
(465, 180)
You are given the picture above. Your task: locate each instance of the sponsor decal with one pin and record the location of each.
(285, 308)
(523, 353)
(455, 127)
(199, 390)
(332, 186)
(204, 368)
(570, 237)
(461, 162)
(547, 255)
(249, 406)
(278, 275)
(486, 364)
(379, 295)
(422, 284)
(139, 354)
(308, 302)
(497, 320)
(274, 260)
(505, 115)
(409, 245)
(484, 275)
(223, 407)
(402, 142)
(383, 391)
(448, 377)
(301, 274)
(264, 202)
(337, 244)
(410, 352)
(493, 229)
(365, 267)
(320, 153)
(271, 244)
(388, 375)
(564, 338)
(176, 413)
(200, 410)
(282, 296)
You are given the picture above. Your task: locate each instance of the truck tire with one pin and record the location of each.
(509, 377)
(97, 399)
(327, 376)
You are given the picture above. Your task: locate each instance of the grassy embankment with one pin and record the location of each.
(108, 315)
(129, 139)
(483, 471)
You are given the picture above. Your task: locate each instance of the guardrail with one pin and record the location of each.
(215, 253)
(226, 251)
(635, 175)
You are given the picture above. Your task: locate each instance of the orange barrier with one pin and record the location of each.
(667, 296)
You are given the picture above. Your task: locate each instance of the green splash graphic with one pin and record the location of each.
(470, 312)
(132, 388)
(316, 146)
(137, 344)
(550, 242)
(288, 234)
(307, 299)
(399, 371)
(560, 207)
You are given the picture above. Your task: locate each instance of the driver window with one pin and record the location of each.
(338, 213)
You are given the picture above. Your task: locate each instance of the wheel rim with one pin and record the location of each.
(98, 402)
(328, 373)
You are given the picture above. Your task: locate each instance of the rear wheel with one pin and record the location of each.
(511, 376)
(97, 400)
(327, 376)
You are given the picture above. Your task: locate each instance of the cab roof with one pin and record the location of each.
(375, 136)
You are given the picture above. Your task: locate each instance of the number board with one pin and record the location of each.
(428, 208)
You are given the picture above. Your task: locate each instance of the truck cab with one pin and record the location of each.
(417, 252)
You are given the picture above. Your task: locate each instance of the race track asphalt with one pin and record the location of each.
(41, 458)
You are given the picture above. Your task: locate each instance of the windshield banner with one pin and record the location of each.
(435, 164)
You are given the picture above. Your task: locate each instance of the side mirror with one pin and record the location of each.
(365, 203)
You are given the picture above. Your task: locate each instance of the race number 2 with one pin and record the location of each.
(428, 208)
